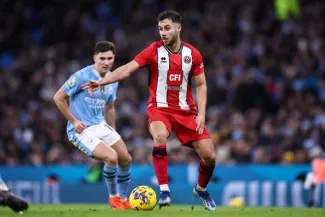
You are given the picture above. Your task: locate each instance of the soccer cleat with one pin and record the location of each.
(126, 204)
(164, 199)
(16, 203)
(207, 201)
(116, 203)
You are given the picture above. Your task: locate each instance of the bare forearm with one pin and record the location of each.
(63, 106)
(201, 96)
(117, 75)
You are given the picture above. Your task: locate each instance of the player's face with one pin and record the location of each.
(169, 31)
(104, 61)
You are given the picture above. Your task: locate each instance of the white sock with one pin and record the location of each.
(115, 195)
(164, 187)
(199, 188)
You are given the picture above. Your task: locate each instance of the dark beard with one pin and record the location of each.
(172, 42)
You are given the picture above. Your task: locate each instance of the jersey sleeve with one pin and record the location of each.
(198, 67)
(145, 57)
(73, 84)
(112, 97)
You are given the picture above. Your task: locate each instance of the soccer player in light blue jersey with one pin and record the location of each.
(91, 123)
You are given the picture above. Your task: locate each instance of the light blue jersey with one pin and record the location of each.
(86, 108)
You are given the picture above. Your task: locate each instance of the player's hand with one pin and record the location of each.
(78, 126)
(200, 121)
(91, 85)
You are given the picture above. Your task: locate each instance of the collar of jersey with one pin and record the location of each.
(178, 52)
(98, 75)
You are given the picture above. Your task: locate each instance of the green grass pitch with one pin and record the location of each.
(96, 210)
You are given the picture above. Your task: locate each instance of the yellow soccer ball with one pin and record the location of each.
(237, 202)
(143, 198)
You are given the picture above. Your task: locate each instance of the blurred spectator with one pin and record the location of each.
(94, 174)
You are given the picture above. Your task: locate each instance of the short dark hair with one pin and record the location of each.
(104, 46)
(170, 14)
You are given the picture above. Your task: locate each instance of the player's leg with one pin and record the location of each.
(109, 156)
(123, 171)
(7, 198)
(317, 176)
(159, 134)
(121, 175)
(160, 127)
(185, 130)
(97, 149)
(310, 186)
(205, 149)
(88, 142)
(311, 196)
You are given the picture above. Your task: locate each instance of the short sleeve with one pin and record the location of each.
(198, 67)
(73, 84)
(112, 97)
(145, 57)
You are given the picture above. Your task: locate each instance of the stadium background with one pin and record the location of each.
(264, 61)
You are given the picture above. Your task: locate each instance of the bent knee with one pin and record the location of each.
(210, 158)
(126, 161)
(160, 138)
(110, 158)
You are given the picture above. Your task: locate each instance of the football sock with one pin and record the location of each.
(199, 188)
(3, 185)
(160, 163)
(205, 174)
(164, 187)
(123, 180)
(109, 173)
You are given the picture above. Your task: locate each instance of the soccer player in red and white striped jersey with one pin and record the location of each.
(170, 76)
(173, 64)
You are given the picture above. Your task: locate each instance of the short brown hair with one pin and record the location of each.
(170, 14)
(104, 46)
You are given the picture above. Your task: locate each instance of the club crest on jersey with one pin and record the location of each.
(163, 60)
(187, 59)
(71, 82)
(102, 89)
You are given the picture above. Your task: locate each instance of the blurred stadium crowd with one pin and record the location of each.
(266, 77)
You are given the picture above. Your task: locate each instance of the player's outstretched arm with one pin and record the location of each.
(201, 97)
(61, 100)
(118, 74)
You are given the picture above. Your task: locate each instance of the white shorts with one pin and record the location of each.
(92, 136)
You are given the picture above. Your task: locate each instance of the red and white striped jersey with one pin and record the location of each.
(170, 75)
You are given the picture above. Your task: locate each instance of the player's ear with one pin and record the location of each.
(179, 27)
(94, 57)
